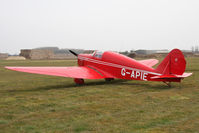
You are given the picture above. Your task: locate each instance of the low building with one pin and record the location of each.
(148, 52)
(37, 54)
(88, 51)
(45, 53)
(3, 56)
(16, 58)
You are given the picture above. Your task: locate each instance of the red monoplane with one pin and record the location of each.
(110, 65)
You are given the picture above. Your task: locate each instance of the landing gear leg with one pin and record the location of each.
(109, 79)
(79, 81)
(167, 83)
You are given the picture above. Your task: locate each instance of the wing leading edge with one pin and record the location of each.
(72, 72)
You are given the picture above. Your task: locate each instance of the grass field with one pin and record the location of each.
(38, 103)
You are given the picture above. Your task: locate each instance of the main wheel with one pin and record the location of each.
(79, 81)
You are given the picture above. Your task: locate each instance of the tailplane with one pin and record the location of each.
(172, 67)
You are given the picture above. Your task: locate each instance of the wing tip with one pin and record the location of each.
(11, 68)
(186, 74)
(7, 67)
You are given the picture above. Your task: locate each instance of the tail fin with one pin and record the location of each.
(174, 63)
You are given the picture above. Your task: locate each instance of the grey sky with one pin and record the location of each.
(99, 24)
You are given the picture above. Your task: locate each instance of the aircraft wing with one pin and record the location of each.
(72, 72)
(149, 62)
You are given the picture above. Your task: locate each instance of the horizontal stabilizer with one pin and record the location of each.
(184, 75)
(172, 76)
(149, 62)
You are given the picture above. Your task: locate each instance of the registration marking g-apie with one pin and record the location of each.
(134, 74)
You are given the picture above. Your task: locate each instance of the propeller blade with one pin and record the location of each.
(72, 52)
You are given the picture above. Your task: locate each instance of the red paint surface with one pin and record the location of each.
(113, 65)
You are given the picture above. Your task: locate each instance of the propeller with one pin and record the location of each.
(72, 52)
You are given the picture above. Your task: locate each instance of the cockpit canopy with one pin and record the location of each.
(98, 54)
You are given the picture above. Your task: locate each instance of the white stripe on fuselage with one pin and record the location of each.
(115, 65)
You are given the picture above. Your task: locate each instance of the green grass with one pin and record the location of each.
(38, 103)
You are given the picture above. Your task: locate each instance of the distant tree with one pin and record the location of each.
(196, 49)
(131, 51)
(192, 49)
(126, 52)
(132, 54)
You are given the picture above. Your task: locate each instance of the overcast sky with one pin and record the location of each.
(99, 24)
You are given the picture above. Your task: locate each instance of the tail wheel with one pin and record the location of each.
(109, 79)
(167, 83)
(79, 81)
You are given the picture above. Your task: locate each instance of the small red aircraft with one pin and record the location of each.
(110, 65)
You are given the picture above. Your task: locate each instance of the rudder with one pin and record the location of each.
(173, 63)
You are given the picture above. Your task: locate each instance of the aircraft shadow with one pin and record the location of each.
(96, 83)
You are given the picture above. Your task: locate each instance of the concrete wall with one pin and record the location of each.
(3, 56)
(37, 54)
(41, 54)
(44, 54)
(51, 53)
